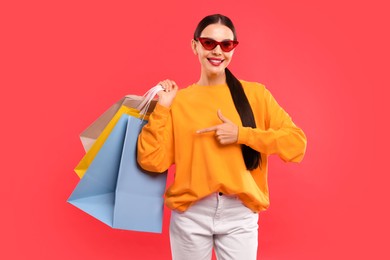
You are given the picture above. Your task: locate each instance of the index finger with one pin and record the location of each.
(205, 130)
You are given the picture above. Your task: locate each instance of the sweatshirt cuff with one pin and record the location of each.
(243, 134)
(161, 110)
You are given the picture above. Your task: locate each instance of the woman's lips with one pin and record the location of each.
(215, 62)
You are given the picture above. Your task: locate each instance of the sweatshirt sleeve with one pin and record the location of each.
(155, 142)
(281, 136)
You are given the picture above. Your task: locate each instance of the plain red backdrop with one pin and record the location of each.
(64, 62)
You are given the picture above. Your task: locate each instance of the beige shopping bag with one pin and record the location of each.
(92, 132)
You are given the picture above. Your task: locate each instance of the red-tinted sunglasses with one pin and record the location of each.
(210, 44)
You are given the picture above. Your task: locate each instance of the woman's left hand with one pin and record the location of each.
(226, 133)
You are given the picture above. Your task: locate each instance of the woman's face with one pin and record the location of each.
(215, 61)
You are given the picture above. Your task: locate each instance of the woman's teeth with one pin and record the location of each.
(215, 61)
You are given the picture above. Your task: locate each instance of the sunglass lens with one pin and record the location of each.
(227, 45)
(208, 44)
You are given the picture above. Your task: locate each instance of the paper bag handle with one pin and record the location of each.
(148, 97)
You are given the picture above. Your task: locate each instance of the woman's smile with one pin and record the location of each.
(215, 61)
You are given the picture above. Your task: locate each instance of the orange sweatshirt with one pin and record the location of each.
(204, 166)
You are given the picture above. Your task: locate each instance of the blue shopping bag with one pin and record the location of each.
(115, 190)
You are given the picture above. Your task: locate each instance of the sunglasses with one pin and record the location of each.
(210, 44)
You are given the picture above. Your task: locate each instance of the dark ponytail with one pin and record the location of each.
(252, 158)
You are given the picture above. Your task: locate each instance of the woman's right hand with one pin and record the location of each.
(167, 95)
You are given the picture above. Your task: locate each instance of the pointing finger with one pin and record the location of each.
(205, 130)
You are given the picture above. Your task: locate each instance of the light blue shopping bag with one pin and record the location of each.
(115, 190)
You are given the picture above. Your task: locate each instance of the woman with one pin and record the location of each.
(218, 132)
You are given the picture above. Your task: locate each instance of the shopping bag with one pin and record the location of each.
(132, 105)
(87, 159)
(93, 131)
(140, 191)
(115, 190)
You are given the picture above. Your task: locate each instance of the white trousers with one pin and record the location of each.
(219, 221)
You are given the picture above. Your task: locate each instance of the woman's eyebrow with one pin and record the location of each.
(215, 39)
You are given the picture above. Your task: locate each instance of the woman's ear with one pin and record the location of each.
(193, 46)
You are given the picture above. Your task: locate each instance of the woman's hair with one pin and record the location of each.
(252, 158)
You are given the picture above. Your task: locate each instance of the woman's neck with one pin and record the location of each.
(210, 80)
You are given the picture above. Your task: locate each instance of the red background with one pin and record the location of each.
(64, 62)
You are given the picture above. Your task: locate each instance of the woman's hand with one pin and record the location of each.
(167, 95)
(226, 133)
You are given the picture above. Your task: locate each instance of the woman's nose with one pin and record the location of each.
(217, 50)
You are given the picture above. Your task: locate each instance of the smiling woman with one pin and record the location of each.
(207, 45)
(218, 132)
